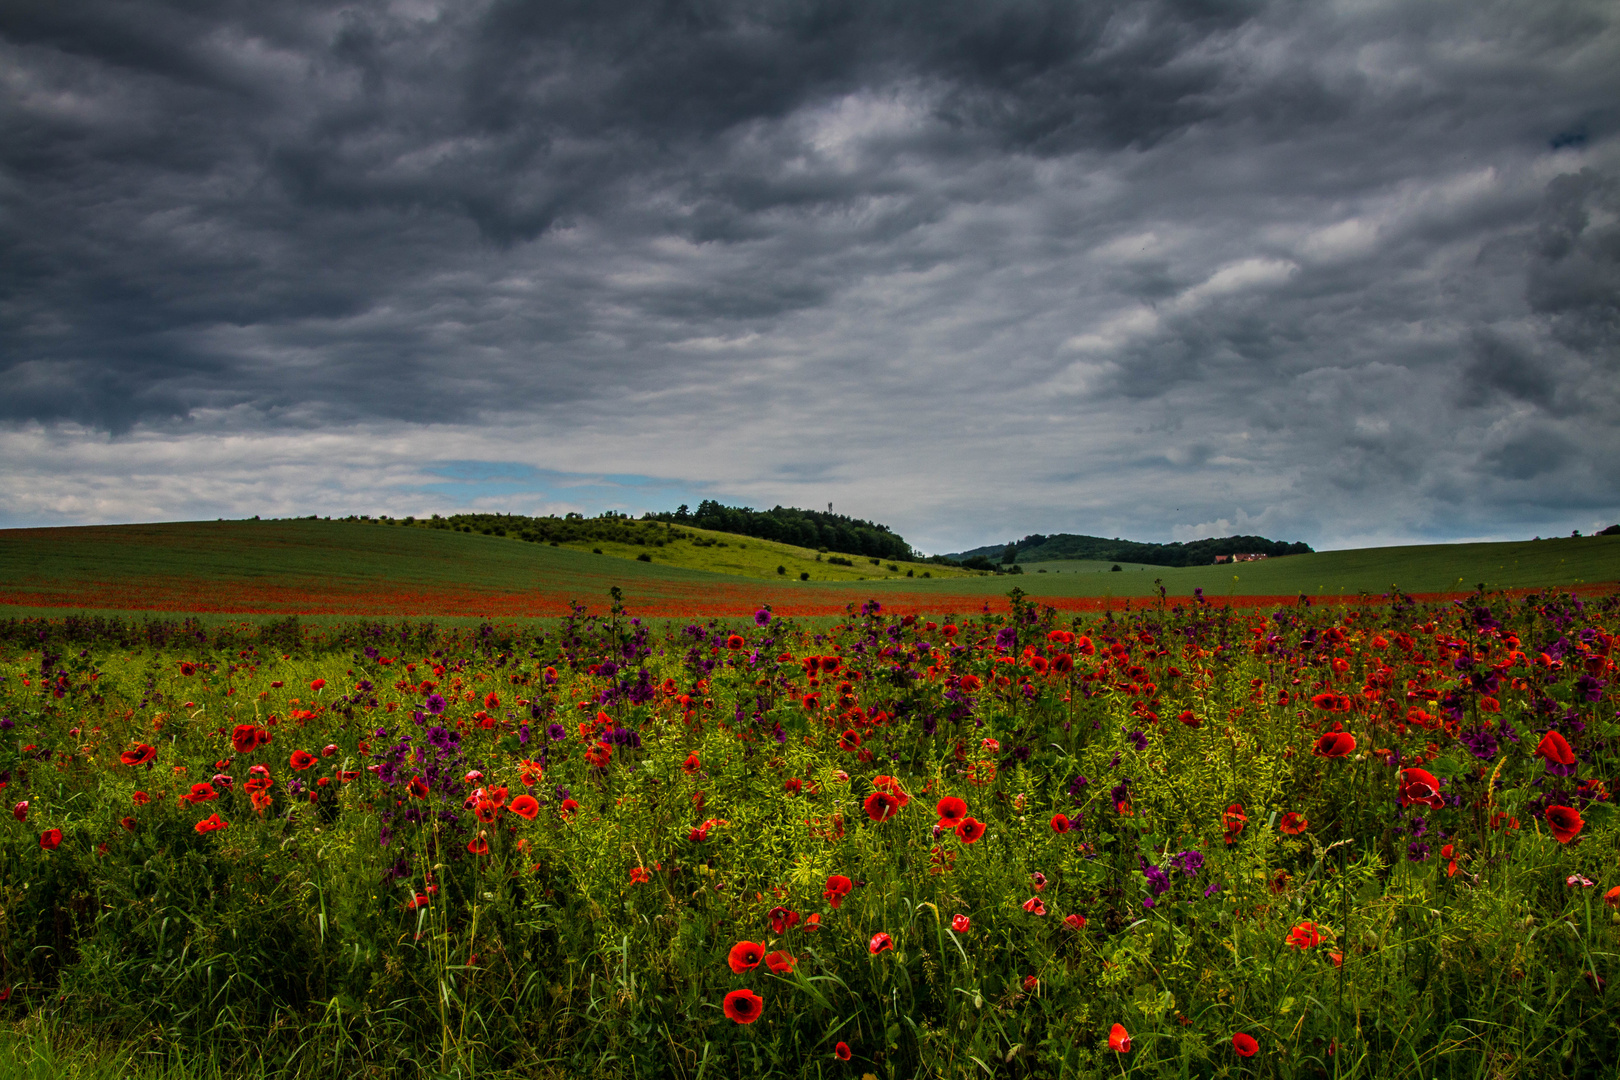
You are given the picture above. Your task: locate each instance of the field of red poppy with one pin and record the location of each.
(1187, 839)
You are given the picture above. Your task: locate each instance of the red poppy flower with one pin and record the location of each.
(1119, 1040)
(201, 792)
(1062, 664)
(486, 811)
(1326, 701)
(599, 755)
(244, 738)
(745, 955)
(1293, 824)
(1075, 922)
(1612, 897)
(140, 798)
(525, 807)
(20, 811)
(1233, 821)
(880, 942)
(849, 740)
(417, 788)
(880, 806)
(782, 920)
(187, 668)
(841, 1052)
(317, 684)
(1304, 936)
(1245, 1045)
(1555, 749)
(951, 811)
(478, 845)
(780, 962)
(302, 759)
(1334, 744)
(970, 684)
(1034, 906)
(50, 839)
(962, 924)
(890, 786)
(812, 923)
(735, 641)
(1060, 823)
(838, 887)
(1565, 823)
(211, 823)
(140, 754)
(743, 1006)
(1420, 788)
(691, 764)
(969, 831)
(569, 808)
(638, 874)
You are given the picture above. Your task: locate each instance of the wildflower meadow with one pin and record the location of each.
(1180, 839)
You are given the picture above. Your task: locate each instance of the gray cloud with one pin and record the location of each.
(1134, 269)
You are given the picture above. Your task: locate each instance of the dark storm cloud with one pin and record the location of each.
(282, 166)
(1339, 271)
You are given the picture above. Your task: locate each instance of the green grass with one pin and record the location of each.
(44, 570)
(1414, 569)
(747, 556)
(248, 551)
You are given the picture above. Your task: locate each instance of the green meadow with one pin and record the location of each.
(121, 568)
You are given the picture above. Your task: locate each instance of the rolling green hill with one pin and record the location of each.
(354, 567)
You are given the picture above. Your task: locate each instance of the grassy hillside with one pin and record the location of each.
(357, 568)
(364, 568)
(745, 556)
(1414, 569)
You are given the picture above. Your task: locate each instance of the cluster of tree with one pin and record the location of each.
(805, 528)
(572, 528)
(1038, 548)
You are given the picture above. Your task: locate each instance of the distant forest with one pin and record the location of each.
(1039, 548)
(805, 528)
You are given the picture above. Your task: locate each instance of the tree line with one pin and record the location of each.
(1038, 547)
(824, 531)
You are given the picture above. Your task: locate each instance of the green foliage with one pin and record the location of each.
(790, 525)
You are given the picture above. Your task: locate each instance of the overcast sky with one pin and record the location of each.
(1346, 273)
